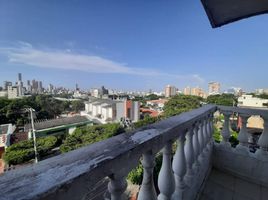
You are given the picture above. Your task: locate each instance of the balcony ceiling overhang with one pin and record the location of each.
(221, 12)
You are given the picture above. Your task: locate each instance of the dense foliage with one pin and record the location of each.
(135, 175)
(222, 99)
(147, 120)
(77, 106)
(262, 96)
(149, 97)
(218, 137)
(46, 107)
(181, 103)
(24, 151)
(90, 134)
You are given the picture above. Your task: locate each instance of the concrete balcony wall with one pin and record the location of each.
(244, 166)
(73, 175)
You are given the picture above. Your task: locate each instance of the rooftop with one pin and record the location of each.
(56, 122)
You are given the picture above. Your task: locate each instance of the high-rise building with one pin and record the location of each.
(76, 87)
(214, 88)
(187, 91)
(50, 88)
(40, 87)
(19, 77)
(34, 86)
(12, 92)
(29, 87)
(99, 93)
(170, 91)
(6, 84)
(20, 85)
(234, 90)
(197, 91)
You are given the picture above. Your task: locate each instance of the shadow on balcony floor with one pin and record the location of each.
(224, 186)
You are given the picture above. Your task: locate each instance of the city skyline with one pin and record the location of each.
(19, 81)
(129, 46)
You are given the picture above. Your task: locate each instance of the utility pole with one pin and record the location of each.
(34, 137)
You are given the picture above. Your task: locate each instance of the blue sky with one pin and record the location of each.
(129, 45)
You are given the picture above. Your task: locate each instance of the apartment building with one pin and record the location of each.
(107, 110)
(170, 91)
(250, 101)
(214, 88)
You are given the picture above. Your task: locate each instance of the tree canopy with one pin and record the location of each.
(262, 96)
(46, 107)
(181, 103)
(23, 152)
(90, 134)
(222, 99)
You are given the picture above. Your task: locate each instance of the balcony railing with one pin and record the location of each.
(243, 137)
(74, 174)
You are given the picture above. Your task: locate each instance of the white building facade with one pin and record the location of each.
(106, 110)
(250, 101)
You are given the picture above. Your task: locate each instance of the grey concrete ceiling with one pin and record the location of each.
(221, 12)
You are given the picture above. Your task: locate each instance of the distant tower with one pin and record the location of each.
(76, 87)
(19, 77)
(20, 85)
(6, 84)
(34, 86)
(50, 88)
(29, 87)
(40, 87)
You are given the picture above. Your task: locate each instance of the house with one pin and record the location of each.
(107, 110)
(60, 126)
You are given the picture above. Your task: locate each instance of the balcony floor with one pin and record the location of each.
(224, 186)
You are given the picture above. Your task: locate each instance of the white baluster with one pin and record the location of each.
(200, 136)
(196, 145)
(204, 138)
(117, 187)
(189, 154)
(206, 121)
(147, 191)
(211, 130)
(166, 182)
(205, 151)
(226, 129)
(179, 168)
(243, 135)
(263, 141)
(211, 127)
(206, 133)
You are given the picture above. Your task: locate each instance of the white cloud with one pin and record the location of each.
(25, 53)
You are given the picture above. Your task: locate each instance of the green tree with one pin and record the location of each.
(222, 99)
(24, 151)
(78, 105)
(181, 103)
(90, 134)
(46, 107)
(147, 120)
